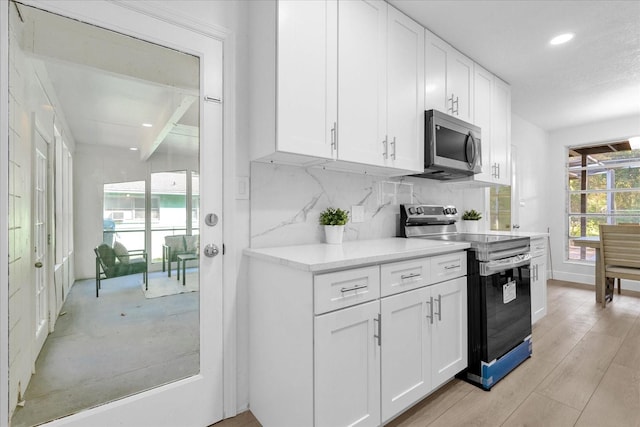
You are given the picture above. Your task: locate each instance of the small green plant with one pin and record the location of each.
(331, 216)
(471, 215)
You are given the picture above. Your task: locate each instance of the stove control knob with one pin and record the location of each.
(454, 211)
(447, 211)
(420, 210)
(412, 211)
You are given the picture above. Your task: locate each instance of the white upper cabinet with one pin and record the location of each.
(342, 93)
(307, 89)
(448, 79)
(381, 79)
(483, 88)
(492, 113)
(405, 86)
(501, 132)
(362, 78)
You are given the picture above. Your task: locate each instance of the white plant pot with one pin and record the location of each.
(333, 234)
(470, 226)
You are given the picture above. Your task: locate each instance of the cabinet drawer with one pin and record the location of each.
(345, 288)
(449, 266)
(538, 246)
(403, 276)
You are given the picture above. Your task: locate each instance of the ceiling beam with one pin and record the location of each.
(149, 147)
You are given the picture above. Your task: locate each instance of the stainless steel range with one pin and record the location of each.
(498, 291)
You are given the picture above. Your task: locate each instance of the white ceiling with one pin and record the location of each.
(594, 77)
(107, 85)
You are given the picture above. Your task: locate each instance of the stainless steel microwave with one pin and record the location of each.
(452, 147)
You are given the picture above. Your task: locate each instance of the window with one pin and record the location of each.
(124, 214)
(500, 208)
(603, 187)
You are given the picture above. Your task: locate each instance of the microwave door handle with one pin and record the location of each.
(472, 161)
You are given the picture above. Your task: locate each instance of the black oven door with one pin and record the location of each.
(507, 310)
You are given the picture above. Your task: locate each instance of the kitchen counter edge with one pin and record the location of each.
(321, 256)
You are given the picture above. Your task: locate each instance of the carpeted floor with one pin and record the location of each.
(113, 346)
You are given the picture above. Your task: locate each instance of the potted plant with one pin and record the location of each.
(470, 220)
(334, 220)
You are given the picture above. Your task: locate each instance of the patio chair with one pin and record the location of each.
(619, 256)
(117, 261)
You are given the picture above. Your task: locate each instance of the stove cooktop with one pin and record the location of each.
(476, 238)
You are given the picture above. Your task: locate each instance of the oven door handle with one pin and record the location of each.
(492, 267)
(508, 253)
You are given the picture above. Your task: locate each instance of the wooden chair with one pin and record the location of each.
(619, 256)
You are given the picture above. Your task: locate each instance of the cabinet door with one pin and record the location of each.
(482, 88)
(460, 85)
(405, 86)
(538, 288)
(307, 76)
(449, 330)
(435, 73)
(347, 367)
(362, 78)
(406, 358)
(501, 131)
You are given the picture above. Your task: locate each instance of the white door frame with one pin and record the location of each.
(129, 14)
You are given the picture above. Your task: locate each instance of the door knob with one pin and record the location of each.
(38, 264)
(211, 250)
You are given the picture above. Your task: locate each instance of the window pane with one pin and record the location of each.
(123, 202)
(500, 208)
(595, 203)
(580, 226)
(169, 193)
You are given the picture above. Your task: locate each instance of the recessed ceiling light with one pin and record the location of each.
(562, 38)
(133, 148)
(147, 125)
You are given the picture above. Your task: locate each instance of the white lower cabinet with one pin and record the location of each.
(347, 367)
(354, 347)
(538, 278)
(449, 330)
(406, 350)
(424, 342)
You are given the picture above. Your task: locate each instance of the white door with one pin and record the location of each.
(406, 354)
(198, 399)
(40, 199)
(362, 79)
(347, 367)
(405, 86)
(307, 77)
(449, 329)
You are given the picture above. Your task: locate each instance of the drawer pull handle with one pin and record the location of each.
(353, 288)
(409, 276)
(451, 267)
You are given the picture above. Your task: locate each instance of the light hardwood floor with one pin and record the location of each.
(585, 371)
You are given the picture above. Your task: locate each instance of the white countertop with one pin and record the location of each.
(321, 256)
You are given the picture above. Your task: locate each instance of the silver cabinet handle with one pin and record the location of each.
(355, 288)
(409, 276)
(334, 141)
(378, 336)
(451, 267)
(498, 168)
(393, 156)
(439, 313)
(430, 316)
(385, 144)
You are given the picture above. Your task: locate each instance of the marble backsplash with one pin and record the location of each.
(286, 202)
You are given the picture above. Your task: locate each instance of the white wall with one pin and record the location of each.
(606, 131)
